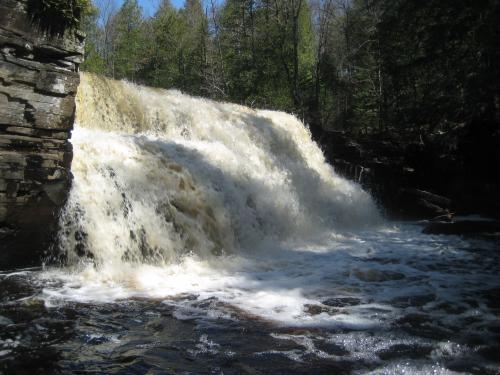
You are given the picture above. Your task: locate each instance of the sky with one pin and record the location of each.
(149, 6)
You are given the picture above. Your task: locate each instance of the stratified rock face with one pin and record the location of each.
(38, 82)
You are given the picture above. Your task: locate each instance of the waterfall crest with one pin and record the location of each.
(159, 174)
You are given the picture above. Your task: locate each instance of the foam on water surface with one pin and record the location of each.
(228, 213)
(166, 184)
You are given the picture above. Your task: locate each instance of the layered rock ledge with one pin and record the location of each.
(38, 83)
(435, 180)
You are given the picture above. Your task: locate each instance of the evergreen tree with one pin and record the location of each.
(164, 33)
(414, 69)
(192, 55)
(94, 62)
(129, 40)
(239, 49)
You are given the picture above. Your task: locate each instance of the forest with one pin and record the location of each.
(421, 76)
(364, 66)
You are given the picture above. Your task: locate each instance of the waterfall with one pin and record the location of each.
(159, 175)
(229, 218)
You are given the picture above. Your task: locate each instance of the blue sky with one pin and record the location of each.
(150, 6)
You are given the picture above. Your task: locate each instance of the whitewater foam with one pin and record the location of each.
(160, 175)
(225, 213)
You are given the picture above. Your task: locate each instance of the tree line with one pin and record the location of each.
(411, 68)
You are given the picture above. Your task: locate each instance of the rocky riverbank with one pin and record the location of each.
(419, 180)
(38, 82)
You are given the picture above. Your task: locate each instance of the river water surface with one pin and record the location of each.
(391, 301)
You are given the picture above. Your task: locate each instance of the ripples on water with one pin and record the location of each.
(384, 302)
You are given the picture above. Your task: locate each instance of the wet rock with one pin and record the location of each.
(34, 360)
(342, 301)
(38, 81)
(429, 197)
(418, 179)
(315, 309)
(14, 287)
(427, 204)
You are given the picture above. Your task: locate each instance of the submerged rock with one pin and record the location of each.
(316, 309)
(342, 301)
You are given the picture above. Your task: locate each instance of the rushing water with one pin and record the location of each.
(202, 237)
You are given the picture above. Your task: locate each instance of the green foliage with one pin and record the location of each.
(160, 68)
(174, 54)
(364, 66)
(93, 63)
(438, 60)
(268, 52)
(56, 16)
(129, 40)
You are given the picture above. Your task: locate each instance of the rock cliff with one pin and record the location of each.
(427, 180)
(38, 82)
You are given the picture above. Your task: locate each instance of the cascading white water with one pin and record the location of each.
(222, 212)
(174, 195)
(159, 174)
